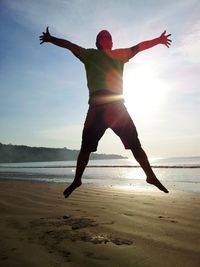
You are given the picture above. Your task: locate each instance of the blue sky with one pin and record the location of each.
(43, 92)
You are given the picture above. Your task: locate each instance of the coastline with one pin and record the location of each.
(100, 226)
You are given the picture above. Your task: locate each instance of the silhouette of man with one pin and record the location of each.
(104, 71)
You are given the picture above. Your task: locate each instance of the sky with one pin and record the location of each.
(43, 89)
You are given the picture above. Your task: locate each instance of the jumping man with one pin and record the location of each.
(104, 72)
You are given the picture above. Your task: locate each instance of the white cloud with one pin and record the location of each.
(190, 43)
(80, 19)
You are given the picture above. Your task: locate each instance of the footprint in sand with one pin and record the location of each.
(173, 221)
(109, 223)
(147, 203)
(66, 217)
(66, 255)
(167, 218)
(3, 258)
(91, 255)
(128, 214)
(121, 241)
(79, 223)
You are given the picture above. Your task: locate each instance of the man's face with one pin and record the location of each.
(104, 40)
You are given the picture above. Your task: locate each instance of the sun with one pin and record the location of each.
(144, 91)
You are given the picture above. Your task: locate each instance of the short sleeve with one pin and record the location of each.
(84, 54)
(124, 54)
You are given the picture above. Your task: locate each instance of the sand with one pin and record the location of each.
(97, 226)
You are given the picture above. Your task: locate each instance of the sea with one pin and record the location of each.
(178, 173)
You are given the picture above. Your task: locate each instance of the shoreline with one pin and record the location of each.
(100, 226)
(133, 185)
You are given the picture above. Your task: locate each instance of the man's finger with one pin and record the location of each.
(169, 35)
(47, 29)
(42, 42)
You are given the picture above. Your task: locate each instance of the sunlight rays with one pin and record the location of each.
(144, 91)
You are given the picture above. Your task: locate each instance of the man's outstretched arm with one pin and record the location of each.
(162, 39)
(47, 38)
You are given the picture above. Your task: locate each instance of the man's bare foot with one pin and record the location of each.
(157, 183)
(71, 188)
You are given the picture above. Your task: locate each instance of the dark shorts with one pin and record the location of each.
(114, 116)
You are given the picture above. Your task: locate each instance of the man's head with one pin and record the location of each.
(104, 40)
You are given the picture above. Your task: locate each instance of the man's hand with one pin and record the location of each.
(164, 39)
(45, 37)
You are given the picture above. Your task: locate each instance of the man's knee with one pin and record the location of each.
(138, 152)
(84, 153)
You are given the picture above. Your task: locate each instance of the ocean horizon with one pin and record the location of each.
(177, 173)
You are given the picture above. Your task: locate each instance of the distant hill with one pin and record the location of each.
(19, 153)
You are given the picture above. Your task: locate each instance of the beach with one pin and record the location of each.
(97, 226)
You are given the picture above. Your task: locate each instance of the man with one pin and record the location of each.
(104, 71)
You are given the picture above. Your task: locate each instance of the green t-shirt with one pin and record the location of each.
(104, 69)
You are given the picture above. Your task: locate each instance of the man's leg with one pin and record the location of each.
(142, 159)
(124, 127)
(82, 162)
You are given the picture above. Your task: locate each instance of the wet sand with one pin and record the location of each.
(97, 226)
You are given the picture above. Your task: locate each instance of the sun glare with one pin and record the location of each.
(144, 92)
